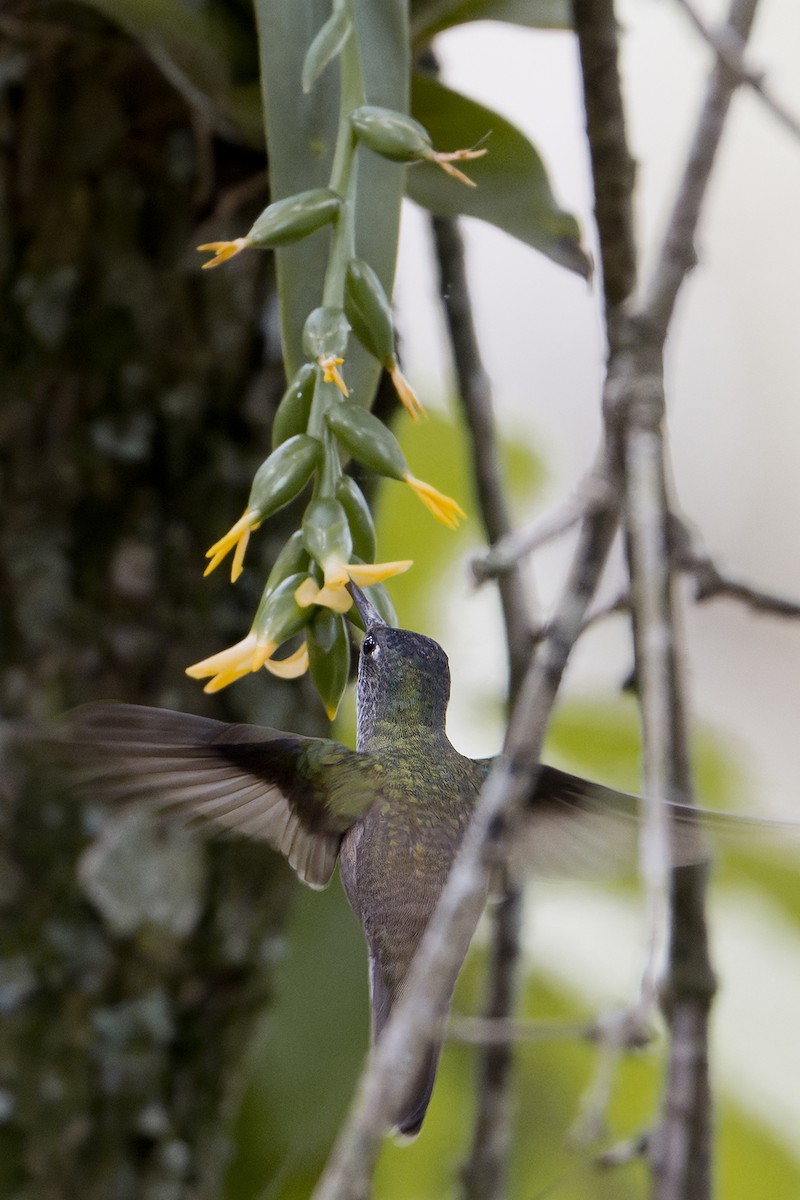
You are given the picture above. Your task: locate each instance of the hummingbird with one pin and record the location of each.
(393, 811)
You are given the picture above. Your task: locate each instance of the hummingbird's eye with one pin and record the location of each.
(369, 645)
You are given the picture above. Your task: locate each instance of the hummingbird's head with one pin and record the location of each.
(403, 677)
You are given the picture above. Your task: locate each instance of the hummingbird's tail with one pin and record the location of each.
(415, 1105)
(413, 1112)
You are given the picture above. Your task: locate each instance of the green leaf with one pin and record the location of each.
(206, 53)
(429, 17)
(301, 135)
(512, 192)
(329, 657)
(326, 46)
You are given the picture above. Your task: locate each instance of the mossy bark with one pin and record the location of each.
(136, 400)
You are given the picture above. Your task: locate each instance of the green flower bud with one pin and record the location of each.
(329, 657)
(325, 333)
(278, 616)
(292, 559)
(366, 306)
(326, 533)
(284, 474)
(367, 439)
(392, 134)
(293, 411)
(359, 517)
(291, 219)
(326, 45)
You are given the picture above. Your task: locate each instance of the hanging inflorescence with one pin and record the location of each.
(318, 425)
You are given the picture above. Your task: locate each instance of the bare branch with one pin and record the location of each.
(625, 1152)
(729, 49)
(479, 1031)
(482, 1031)
(711, 584)
(475, 393)
(613, 167)
(507, 552)
(680, 1150)
(483, 1174)
(677, 255)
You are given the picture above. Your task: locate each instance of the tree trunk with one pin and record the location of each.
(137, 396)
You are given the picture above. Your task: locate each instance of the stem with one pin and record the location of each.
(343, 173)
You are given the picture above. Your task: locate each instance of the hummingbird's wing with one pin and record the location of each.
(299, 794)
(576, 828)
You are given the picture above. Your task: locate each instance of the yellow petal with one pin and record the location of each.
(444, 508)
(263, 651)
(335, 572)
(408, 397)
(306, 593)
(235, 658)
(330, 373)
(289, 668)
(222, 251)
(365, 574)
(224, 679)
(336, 598)
(237, 563)
(238, 535)
(445, 161)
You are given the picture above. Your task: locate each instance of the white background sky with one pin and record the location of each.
(733, 370)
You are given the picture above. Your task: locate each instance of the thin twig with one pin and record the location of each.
(475, 393)
(613, 167)
(479, 1031)
(729, 49)
(507, 552)
(625, 1152)
(484, 1172)
(613, 174)
(615, 1033)
(711, 584)
(482, 1031)
(677, 253)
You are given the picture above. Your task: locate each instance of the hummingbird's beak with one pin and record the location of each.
(365, 608)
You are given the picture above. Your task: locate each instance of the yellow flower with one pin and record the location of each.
(333, 593)
(331, 374)
(445, 161)
(229, 665)
(444, 508)
(291, 667)
(238, 535)
(224, 250)
(408, 397)
(250, 654)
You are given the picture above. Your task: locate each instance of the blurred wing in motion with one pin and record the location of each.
(298, 794)
(580, 829)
